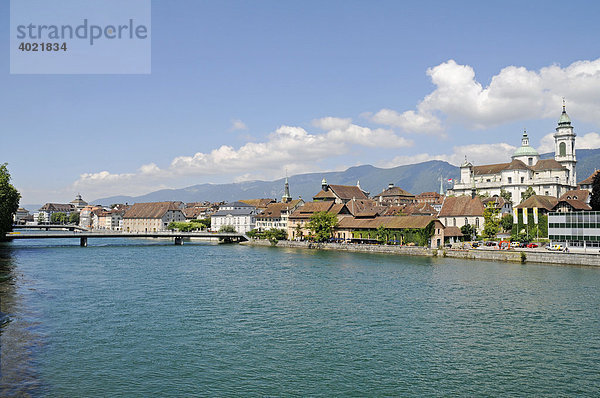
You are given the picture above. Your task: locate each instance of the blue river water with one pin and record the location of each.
(148, 318)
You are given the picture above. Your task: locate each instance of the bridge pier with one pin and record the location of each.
(83, 242)
(179, 241)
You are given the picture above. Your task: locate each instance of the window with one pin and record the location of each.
(510, 180)
(454, 221)
(466, 221)
(522, 180)
(477, 222)
(562, 149)
(530, 161)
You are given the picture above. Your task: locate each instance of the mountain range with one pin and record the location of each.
(414, 178)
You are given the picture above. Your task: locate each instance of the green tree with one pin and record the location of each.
(468, 231)
(9, 201)
(322, 224)
(491, 224)
(529, 192)
(205, 222)
(275, 234)
(595, 199)
(227, 229)
(74, 218)
(299, 233)
(59, 218)
(507, 196)
(382, 234)
(507, 222)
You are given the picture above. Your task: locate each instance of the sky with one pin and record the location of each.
(245, 90)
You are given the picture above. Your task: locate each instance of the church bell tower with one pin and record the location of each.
(564, 146)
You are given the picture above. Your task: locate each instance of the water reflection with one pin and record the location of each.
(19, 341)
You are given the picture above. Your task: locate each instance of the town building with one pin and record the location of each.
(276, 215)
(78, 203)
(109, 219)
(401, 230)
(458, 211)
(538, 205)
(550, 177)
(259, 204)
(299, 219)
(503, 206)
(152, 216)
(21, 216)
(433, 198)
(239, 215)
(579, 230)
(394, 196)
(44, 214)
(340, 193)
(86, 216)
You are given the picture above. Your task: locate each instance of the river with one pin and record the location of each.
(148, 318)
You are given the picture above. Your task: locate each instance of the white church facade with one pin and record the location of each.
(550, 177)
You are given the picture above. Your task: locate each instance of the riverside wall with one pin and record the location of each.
(531, 256)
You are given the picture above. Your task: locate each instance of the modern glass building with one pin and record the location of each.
(575, 229)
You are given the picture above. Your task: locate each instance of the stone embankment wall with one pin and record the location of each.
(533, 256)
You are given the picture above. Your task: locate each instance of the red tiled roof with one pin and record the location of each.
(151, 209)
(395, 191)
(309, 208)
(452, 231)
(539, 201)
(344, 192)
(580, 194)
(576, 204)
(547, 164)
(258, 203)
(490, 168)
(590, 179)
(394, 222)
(461, 206)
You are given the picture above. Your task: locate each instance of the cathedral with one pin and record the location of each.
(550, 177)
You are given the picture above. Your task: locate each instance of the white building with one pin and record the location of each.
(549, 177)
(240, 215)
(44, 214)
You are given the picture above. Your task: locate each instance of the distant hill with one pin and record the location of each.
(415, 178)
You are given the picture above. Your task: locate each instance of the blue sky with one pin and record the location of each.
(245, 90)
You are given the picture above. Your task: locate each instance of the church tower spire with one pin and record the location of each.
(286, 198)
(564, 146)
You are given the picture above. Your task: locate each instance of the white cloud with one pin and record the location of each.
(410, 121)
(478, 154)
(237, 124)
(291, 148)
(331, 123)
(587, 141)
(515, 93)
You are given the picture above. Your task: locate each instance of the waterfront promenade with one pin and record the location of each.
(516, 256)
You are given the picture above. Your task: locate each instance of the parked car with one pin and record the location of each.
(532, 245)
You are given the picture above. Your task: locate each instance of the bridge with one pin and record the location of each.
(47, 227)
(83, 236)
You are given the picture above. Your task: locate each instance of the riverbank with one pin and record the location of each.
(516, 256)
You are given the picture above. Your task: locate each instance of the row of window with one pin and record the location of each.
(578, 225)
(574, 238)
(576, 217)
